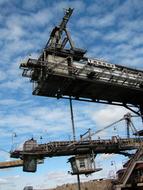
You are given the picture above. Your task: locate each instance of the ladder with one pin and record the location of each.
(131, 165)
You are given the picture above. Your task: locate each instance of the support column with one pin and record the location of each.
(78, 181)
(72, 119)
(128, 123)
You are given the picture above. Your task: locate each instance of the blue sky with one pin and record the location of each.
(108, 29)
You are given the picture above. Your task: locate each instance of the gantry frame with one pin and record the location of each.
(63, 71)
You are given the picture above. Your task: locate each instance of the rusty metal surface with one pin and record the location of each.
(9, 164)
(64, 72)
(66, 148)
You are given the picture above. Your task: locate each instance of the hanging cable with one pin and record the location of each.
(72, 119)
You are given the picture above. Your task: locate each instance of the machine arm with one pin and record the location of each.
(55, 40)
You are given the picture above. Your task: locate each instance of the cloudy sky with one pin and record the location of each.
(107, 29)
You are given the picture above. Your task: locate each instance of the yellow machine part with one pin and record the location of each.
(8, 164)
(15, 163)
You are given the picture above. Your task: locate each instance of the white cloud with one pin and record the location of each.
(3, 154)
(3, 181)
(32, 4)
(106, 115)
(13, 102)
(34, 120)
(105, 156)
(13, 85)
(109, 30)
(79, 6)
(2, 76)
(106, 21)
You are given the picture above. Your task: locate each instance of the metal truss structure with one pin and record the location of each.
(67, 148)
(63, 71)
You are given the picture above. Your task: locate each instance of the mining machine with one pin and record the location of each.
(32, 151)
(64, 71)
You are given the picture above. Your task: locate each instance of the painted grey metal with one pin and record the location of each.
(65, 72)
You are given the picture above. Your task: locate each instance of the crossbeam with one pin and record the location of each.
(67, 148)
(65, 72)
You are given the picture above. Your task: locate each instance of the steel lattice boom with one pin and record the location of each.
(66, 72)
(66, 148)
(85, 80)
